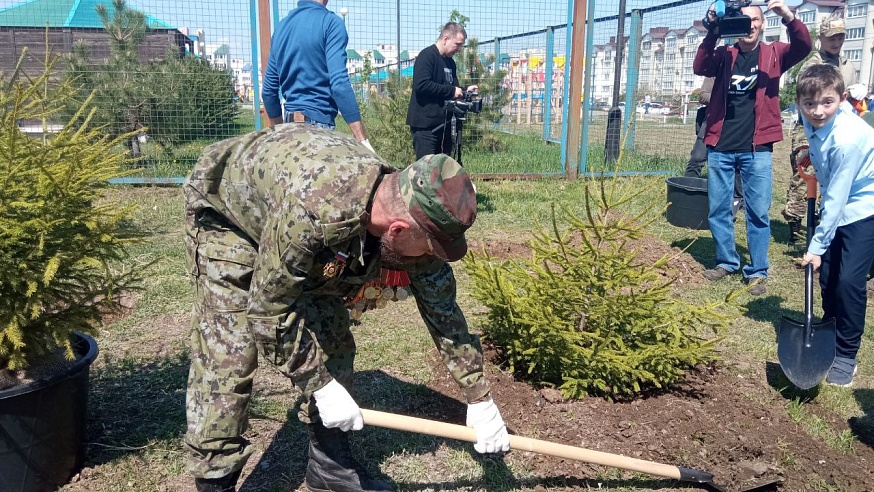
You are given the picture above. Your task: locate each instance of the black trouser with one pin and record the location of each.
(426, 141)
(698, 156)
(842, 277)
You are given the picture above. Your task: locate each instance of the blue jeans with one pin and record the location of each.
(310, 121)
(755, 171)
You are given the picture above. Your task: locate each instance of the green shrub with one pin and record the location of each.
(585, 314)
(173, 100)
(385, 118)
(189, 100)
(60, 242)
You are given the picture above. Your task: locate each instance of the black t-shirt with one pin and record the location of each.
(740, 110)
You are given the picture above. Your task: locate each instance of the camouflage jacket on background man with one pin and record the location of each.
(300, 195)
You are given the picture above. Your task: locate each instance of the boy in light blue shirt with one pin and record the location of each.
(842, 247)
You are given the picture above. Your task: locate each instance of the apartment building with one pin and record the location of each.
(666, 53)
(665, 70)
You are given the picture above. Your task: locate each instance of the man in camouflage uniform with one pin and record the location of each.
(832, 33)
(283, 225)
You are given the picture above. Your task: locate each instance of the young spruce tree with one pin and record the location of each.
(583, 313)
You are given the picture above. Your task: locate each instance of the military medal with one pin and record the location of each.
(388, 293)
(372, 292)
(335, 267)
(392, 285)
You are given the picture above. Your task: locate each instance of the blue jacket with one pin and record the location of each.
(842, 152)
(307, 66)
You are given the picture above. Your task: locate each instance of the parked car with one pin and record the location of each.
(789, 115)
(655, 108)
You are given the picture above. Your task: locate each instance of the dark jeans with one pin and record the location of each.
(698, 156)
(842, 277)
(426, 141)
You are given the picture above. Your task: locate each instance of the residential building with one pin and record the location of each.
(385, 55)
(71, 22)
(218, 55)
(354, 61)
(242, 71)
(666, 56)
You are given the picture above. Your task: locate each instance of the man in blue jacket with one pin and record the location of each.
(307, 68)
(743, 122)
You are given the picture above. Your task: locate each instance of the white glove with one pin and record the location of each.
(337, 408)
(366, 143)
(491, 432)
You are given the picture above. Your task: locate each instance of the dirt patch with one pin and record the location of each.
(682, 268)
(722, 420)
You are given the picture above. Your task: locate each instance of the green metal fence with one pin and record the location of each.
(184, 74)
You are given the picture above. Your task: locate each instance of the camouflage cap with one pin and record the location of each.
(832, 25)
(442, 200)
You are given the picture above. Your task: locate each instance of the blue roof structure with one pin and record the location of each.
(63, 13)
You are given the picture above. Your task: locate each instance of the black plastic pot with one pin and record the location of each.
(42, 426)
(687, 202)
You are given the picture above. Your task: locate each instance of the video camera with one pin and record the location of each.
(732, 23)
(468, 102)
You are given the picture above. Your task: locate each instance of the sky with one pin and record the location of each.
(372, 22)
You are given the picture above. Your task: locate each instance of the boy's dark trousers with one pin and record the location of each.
(842, 277)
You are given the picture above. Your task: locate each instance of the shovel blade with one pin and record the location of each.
(806, 365)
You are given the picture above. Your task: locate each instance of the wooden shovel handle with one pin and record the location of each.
(462, 433)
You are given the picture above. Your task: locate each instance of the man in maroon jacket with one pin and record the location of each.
(743, 122)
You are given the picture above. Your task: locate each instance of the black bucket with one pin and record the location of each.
(687, 202)
(42, 426)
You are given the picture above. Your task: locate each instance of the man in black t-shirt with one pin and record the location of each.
(434, 82)
(743, 122)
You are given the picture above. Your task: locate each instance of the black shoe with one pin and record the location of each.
(331, 467)
(227, 483)
(796, 234)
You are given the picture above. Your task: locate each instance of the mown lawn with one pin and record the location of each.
(136, 418)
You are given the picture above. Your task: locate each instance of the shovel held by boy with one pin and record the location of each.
(806, 350)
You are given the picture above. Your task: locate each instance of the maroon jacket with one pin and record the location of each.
(774, 59)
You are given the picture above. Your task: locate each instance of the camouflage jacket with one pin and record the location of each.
(300, 193)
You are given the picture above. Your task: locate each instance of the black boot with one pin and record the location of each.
(227, 483)
(332, 468)
(795, 233)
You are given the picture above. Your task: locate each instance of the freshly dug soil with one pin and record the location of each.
(724, 419)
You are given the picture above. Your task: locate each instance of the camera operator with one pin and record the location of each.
(743, 122)
(435, 81)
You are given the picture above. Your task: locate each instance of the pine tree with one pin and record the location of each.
(61, 244)
(583, 313)
(174, 99)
